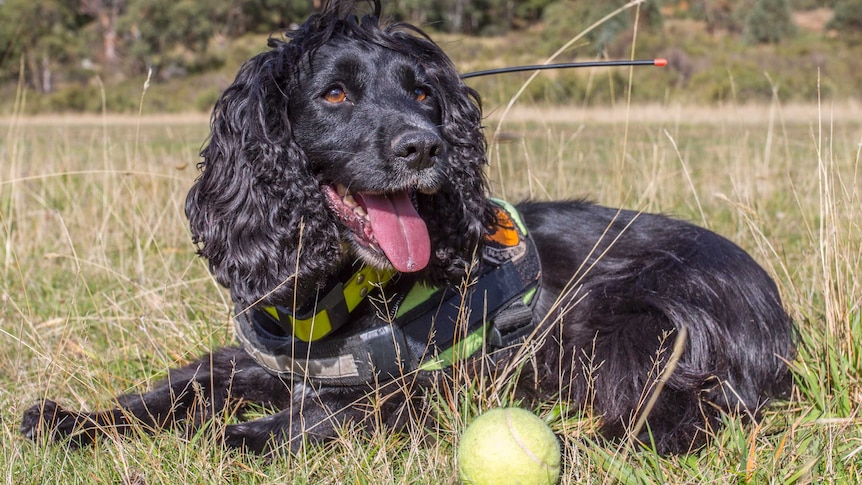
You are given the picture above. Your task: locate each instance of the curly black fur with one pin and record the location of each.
(267, 156)
(346, 104)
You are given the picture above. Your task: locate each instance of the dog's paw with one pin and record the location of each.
(252, 437)
(238, 436)
(46, 419)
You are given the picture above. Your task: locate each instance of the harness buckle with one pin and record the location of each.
(513, 324)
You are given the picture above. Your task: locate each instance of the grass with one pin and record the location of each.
(101, 292)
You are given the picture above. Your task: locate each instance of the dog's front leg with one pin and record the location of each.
(191, 394)
(318, 414)
(313, 416)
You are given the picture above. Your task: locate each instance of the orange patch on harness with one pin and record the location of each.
(504, 232)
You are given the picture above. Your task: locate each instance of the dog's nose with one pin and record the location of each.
(417, 149)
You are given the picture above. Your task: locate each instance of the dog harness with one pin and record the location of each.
(421, 327)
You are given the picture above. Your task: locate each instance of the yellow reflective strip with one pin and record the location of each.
(354, 291)
(528, 296)
(313, 328)
(361, 283)
(461, 350)
(417, 295)
(272, 311)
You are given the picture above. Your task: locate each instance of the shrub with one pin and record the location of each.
(769, 22)
(847, 17)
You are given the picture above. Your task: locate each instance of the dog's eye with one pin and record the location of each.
(420, 94)
(335, 95)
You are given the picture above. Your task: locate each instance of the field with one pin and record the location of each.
(102, 293)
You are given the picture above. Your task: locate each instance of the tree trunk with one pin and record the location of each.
(47, 84)
(458, 17)
(108, 21)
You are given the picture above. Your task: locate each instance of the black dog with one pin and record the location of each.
(344, 204)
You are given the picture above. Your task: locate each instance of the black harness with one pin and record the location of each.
(421, 328)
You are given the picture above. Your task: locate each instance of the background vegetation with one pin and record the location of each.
(101, 292)
(90, 55)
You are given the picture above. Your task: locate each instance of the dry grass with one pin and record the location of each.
(101, 291)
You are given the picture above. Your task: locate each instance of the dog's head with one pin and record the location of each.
(349, 140)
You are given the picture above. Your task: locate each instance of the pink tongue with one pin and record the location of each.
(400, 232)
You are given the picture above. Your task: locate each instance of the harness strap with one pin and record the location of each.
(495, 312)
(332, 311)
(360, 359)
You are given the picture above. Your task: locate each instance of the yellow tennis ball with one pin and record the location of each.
(509, 446)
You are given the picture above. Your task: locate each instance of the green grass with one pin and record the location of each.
(102, 293)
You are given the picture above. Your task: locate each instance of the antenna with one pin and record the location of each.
(566, 65)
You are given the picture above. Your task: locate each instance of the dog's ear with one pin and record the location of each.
(244, 208)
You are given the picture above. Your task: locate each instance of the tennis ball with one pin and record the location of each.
(509, 446)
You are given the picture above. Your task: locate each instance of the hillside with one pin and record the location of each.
(711, 61)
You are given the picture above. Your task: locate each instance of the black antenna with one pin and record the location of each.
(566, 65)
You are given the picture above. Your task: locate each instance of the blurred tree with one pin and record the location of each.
(812, 4)
(529, 11)
(42, 34)
(769, 22)
(475, 17)
(265, 16)
(567, 18)
(162, 33)
(106, 13)
(413, 10)
(154, 28)
(847, 17)
(721, 15)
